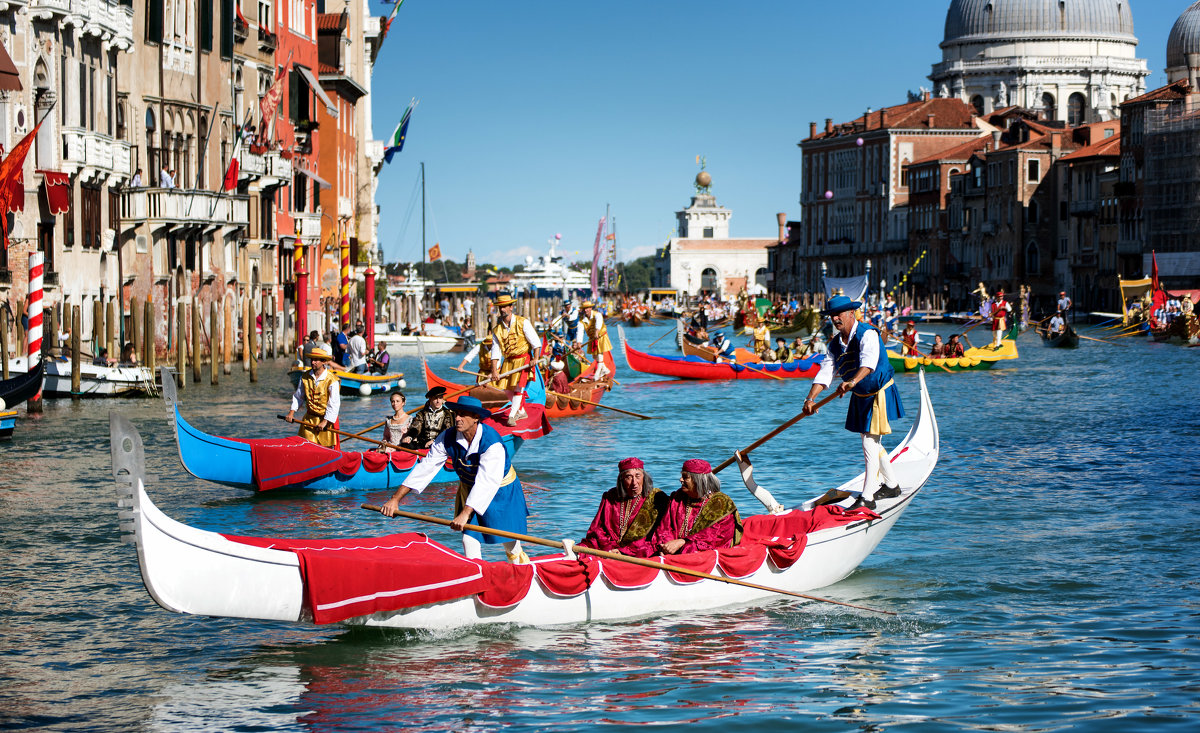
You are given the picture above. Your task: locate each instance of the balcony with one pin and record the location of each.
(86, 151)
(345, 207)
(269, 169)
(174, 207)
(1085, 207)
(308, 226)
(267, 41)
(988, 227)
(108, 20)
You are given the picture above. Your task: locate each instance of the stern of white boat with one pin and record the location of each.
(194, 571)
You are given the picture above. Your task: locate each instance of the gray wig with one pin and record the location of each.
(706, 483)
(647, 482)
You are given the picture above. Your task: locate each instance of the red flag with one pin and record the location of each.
(1154, 286)
(270, 101)
(10, 171)
(1159, 297)
(231, 176)
(435, 253)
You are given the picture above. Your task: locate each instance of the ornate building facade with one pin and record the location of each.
(1073, 61)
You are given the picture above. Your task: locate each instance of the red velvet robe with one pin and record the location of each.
(720, 534)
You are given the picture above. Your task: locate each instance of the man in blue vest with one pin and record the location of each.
(856, 353)
(489, 492)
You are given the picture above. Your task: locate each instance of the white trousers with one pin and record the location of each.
(474, 550)
(879, 466)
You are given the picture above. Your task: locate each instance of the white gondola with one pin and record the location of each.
(194, 571)
(94, 381)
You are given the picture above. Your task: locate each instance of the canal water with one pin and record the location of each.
(1045, 579)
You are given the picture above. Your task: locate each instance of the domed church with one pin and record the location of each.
(1071, 60)
(1183, 48)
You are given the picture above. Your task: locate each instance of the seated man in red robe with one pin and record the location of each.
(628, 513)
(700, 516)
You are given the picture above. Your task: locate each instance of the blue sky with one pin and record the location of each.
(535, 114)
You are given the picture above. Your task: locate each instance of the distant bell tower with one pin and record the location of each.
(469, 274)
(703, 219)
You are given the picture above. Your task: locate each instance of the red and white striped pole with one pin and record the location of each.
(34, 353)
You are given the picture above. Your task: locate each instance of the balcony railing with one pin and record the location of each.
(87, 149)
(1085, 207)
(174, 206)
(308, 226)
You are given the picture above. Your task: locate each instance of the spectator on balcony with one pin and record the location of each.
(137, 179)
(166, 179)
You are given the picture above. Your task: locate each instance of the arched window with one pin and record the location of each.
(1033, 261)
(153, 155)
(977, 103)
(1076, 110)
(1049, 107)
(1031, 213)
(760, 276)
(708, 279)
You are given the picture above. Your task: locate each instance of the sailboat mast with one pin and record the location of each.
(422, 219)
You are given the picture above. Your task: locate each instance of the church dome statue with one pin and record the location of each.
(1185, 37)
(973, 20)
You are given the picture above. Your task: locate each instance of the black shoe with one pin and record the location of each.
(888, 492)
(868, 503)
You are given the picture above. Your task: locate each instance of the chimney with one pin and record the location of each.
(929, 120)
(881, 119)
(782, 219)
(812, 129)
(1055, 144)
(828, 125)
(996, 139)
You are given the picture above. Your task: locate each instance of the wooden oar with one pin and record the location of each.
(761, 371)
(660, 338)
(1103, 341)
(922, 353)
(597, 404)
(745, 451)
(623, 558)
(344, 434)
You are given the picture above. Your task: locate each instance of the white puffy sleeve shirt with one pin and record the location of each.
(868, 356)
(487, 481)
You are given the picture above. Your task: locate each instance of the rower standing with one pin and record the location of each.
(857, 356)
(762, 338)
(489, 492)
(592, 326)
(1000, 311)
(516, 341)
(910, 338)
(1064, 303)
(319, 393)
(1057, 324)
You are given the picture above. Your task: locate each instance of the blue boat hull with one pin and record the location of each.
(228, 462)
(8, 423)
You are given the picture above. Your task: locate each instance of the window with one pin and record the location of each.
(1033, 263)
(1035, 170)
(708, 279)
(266, 225)
(1032, 214)
(1076, 110)
(46, 243)
(206, 23)
(152, 157)
(300, 192)
(69, 218)
(1049, 107)
(708, 232)
(154, 21)
(89, 216)
(227, 15)
(977, 103)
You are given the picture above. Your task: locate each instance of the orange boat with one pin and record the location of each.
(556, 407)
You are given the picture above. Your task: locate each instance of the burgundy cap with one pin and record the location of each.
(629, 463)
(697, 465)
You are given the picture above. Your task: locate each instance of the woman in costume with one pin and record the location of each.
(700, 516)
(628, 513)
(395, 426)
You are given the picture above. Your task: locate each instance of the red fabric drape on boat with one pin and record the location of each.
(360, 576)
(290, 460)
(58, 191)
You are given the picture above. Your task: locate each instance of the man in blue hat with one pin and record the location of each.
(856, 354)
(489, 492)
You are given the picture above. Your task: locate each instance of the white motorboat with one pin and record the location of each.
(194, 571)
(399, 344)
(94, 381)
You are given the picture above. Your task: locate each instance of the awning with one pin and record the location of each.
(58, 191)
(324, 184)
(468, 288)
(663, 291)
(10, 80)
(317, 90)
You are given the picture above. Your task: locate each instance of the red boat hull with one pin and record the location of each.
(696, 368)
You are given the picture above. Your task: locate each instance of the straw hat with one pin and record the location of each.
(319, 354)
(504, 300)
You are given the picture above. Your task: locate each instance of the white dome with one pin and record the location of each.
(1185, 37)
(976, 20)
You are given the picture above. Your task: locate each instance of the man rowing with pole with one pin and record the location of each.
(320, 395)
(856, 353)
(516, 342)
(592, 326)
(489, 492)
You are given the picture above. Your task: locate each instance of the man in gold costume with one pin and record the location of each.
(320, 395)
(516, 343)
(593, 330)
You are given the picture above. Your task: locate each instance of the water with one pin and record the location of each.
(1046, 579)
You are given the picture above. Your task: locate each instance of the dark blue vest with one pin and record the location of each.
(465, 464)
(845, 361)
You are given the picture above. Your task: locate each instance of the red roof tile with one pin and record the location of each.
(330, 21)
(1106, 148)
(948, 114)
(958, 152)
(1177, 90)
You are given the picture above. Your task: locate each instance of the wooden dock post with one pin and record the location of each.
(252, 338)
(213, 341)
(180, 344)
(149, 335)
(76, 323)
(195, 340)
(227, 341)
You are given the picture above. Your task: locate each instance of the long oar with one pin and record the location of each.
(745, 451)
(922, 353)
(761, 371)
(597, 404)
(344, 434)
(624, 558)
(660, 338)
(1103, 341)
